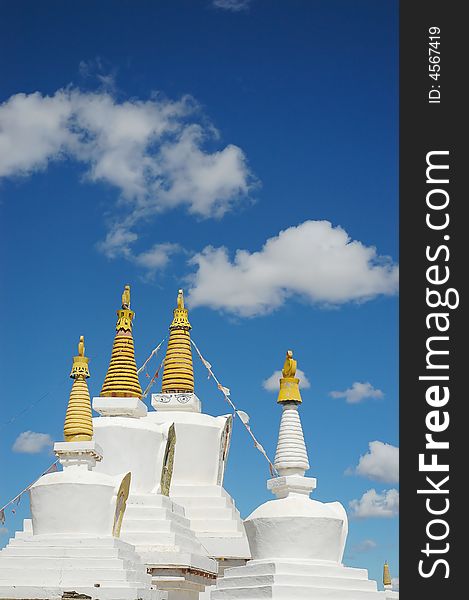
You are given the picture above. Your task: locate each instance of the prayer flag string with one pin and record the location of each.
(226, 393)
(154, 352)
(153, 379)
(16, 500)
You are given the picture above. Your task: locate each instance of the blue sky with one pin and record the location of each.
(147, 143)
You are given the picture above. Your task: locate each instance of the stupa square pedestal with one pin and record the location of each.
(187, 402)
(122, 407)
(295, 484)
(47, 566)
(285, 580)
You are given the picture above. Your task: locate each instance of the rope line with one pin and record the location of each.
(17, 498)
(40, 399)
(153, 353)
(153, 379)
(226, 393)
(32, 404)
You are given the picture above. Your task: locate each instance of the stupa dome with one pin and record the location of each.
(297, 527)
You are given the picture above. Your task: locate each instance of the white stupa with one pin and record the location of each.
(201, 451)
(72, 548)
(154, 523)
(139, 511)
(297, 543)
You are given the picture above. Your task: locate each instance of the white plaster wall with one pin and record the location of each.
(134, 445)
(296, 528)
(73, 501)
(197, 453)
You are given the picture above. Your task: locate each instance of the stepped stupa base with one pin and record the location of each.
(299, 580)
(158, 528)
(214, 519)
(45, 567)
(163, 539)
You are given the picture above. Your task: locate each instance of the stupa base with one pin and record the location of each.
(27, 592)
(159, 530)
(299, 580)
(47, 567)
(214, 519)
(162, 537)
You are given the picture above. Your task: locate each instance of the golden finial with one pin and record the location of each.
(78, 425)
(121, 379)
(289, 366)
(81, 346)
(178, 373)
(387, 581)
(126, 297)
(180, 301)
(289, 388)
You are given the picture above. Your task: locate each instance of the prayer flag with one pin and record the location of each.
(259, 447)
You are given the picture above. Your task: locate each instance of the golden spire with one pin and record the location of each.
(178, 374)
(386, 575)
(78, 425)
(121, 379)
(289, 389)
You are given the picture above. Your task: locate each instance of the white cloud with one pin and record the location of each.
(33, 130)
(232, 5)
(272, 383)
(314, 260)
(395, 584)
(358, 392)
(380, 463)
(155, 152)
(30, 442)
(156, 258)
(209, 183)
(118, 242)
(373, 504)
(364, 546)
